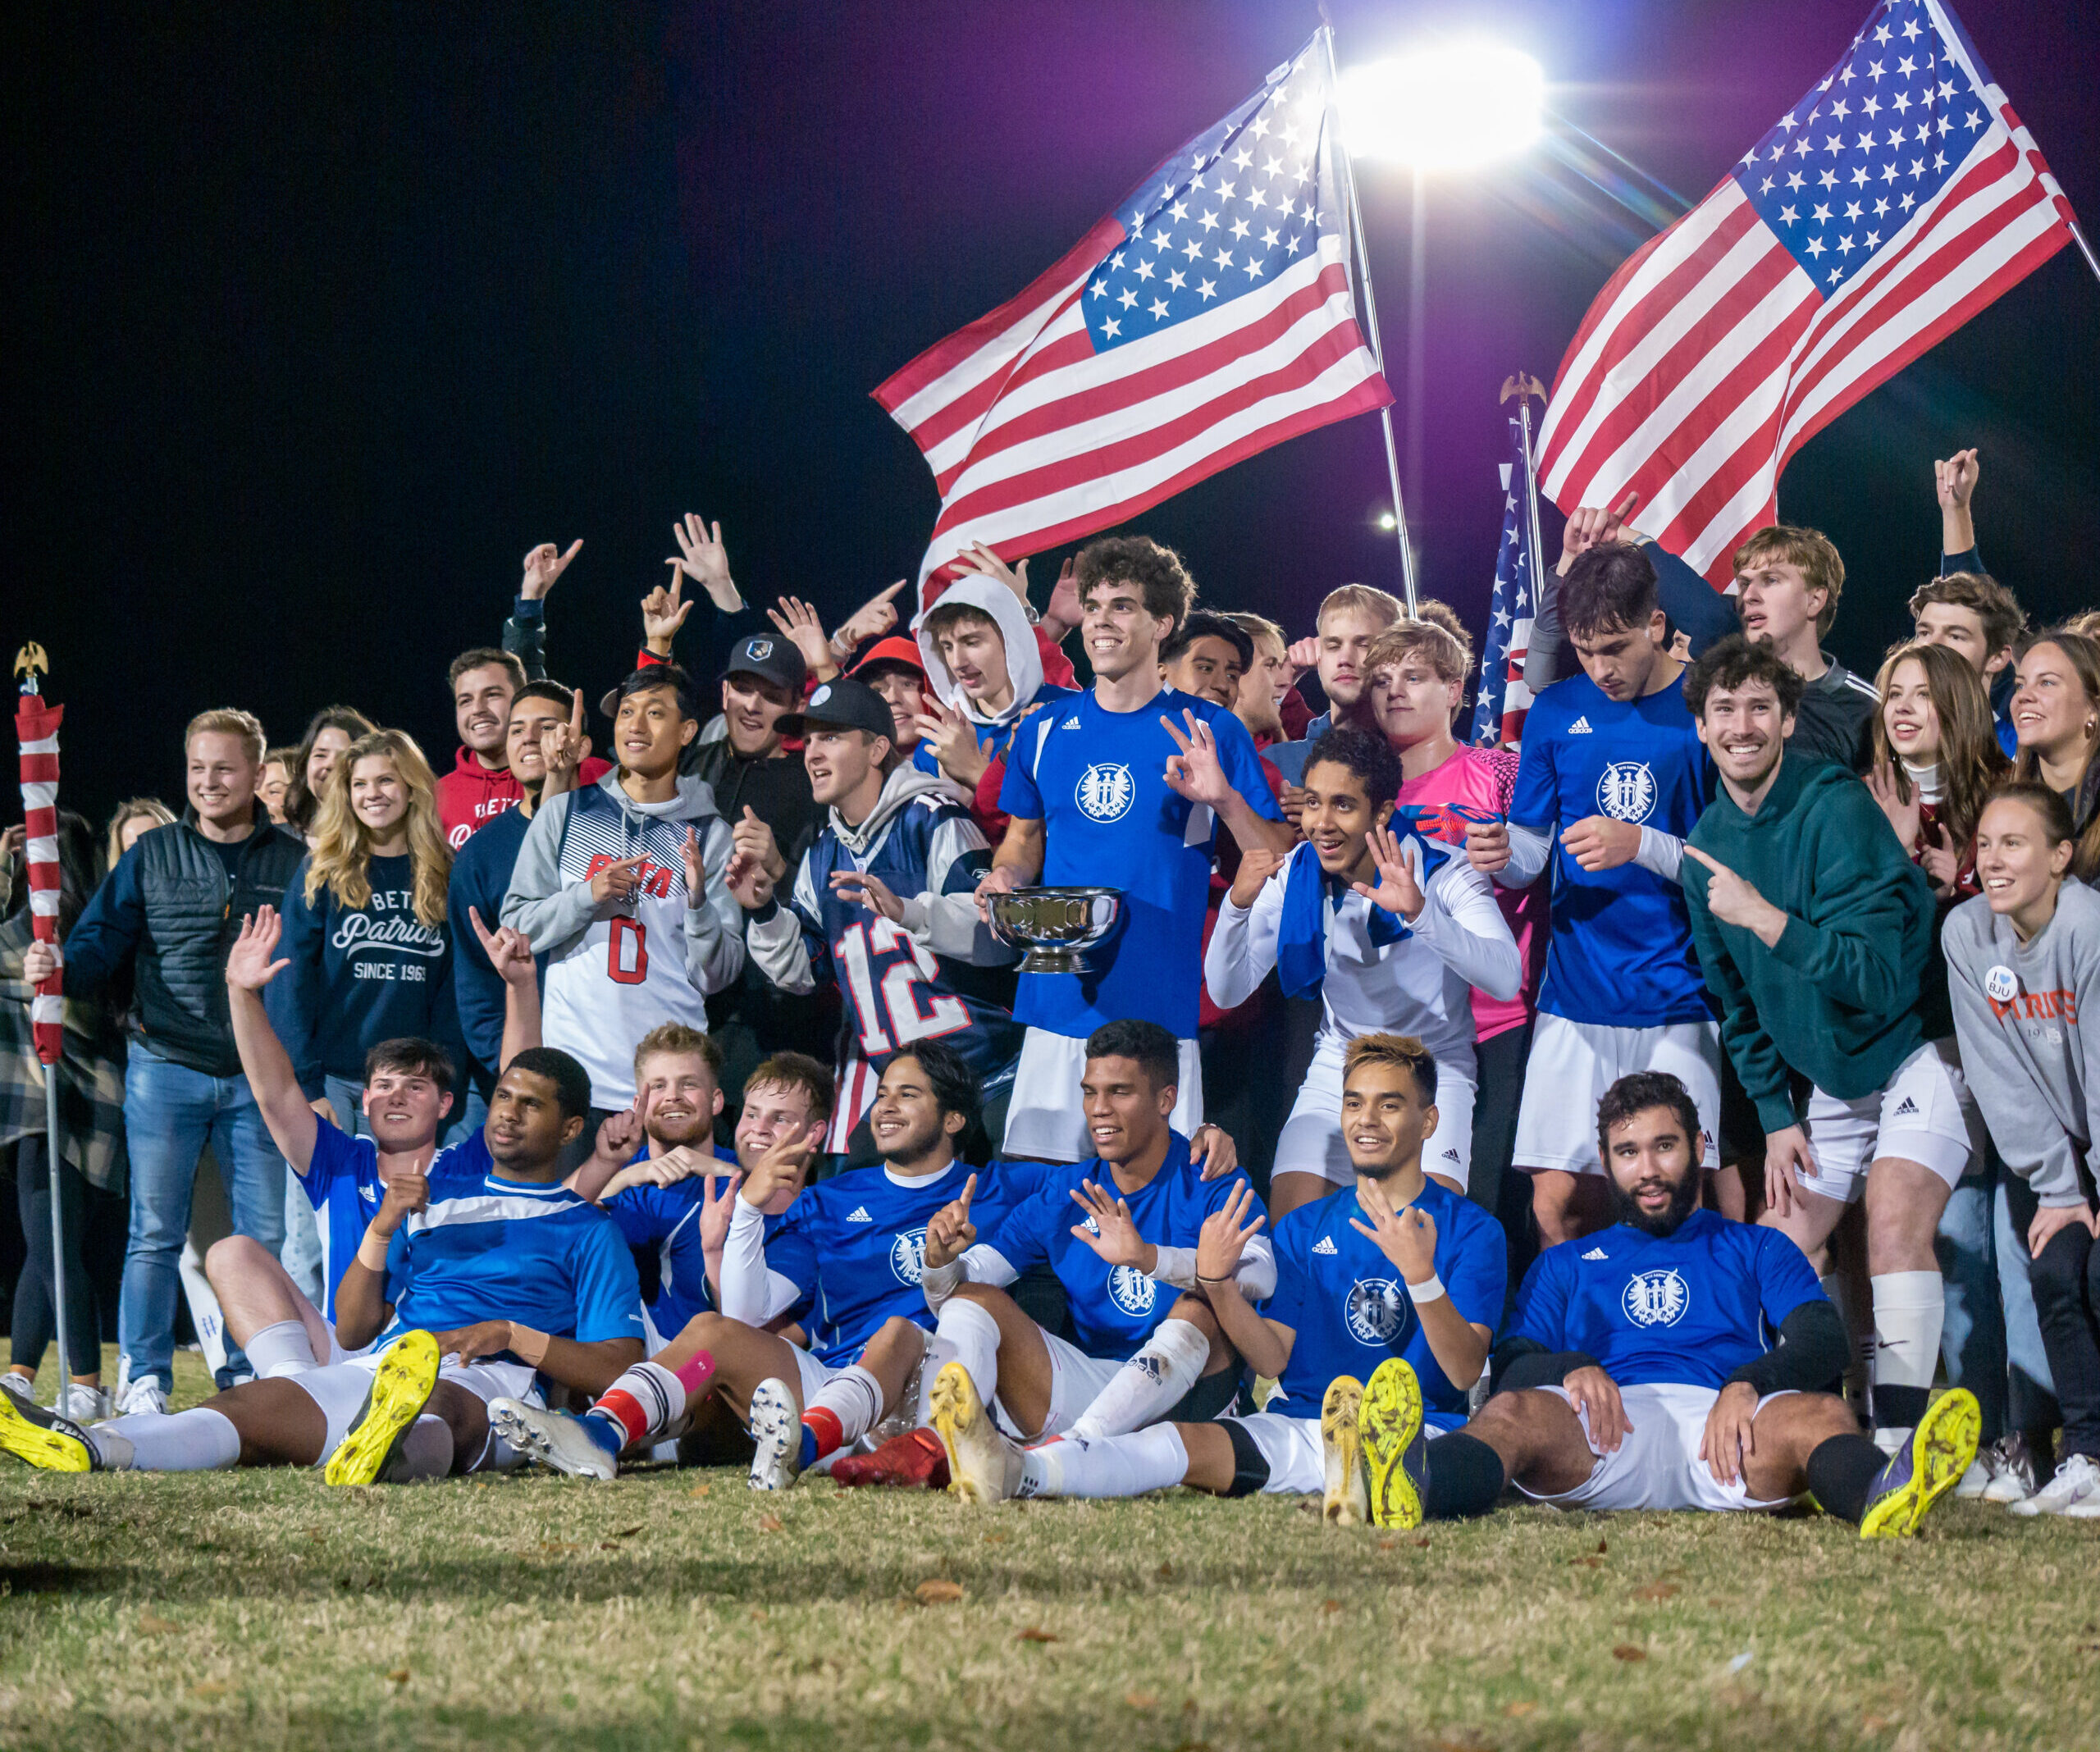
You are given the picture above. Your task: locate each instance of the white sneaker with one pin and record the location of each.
(22, 1386)
(2011, 1461)
(144, 1394)
(2077, 1482)
(83, 1403)
(777, 1433)
(553, 1439)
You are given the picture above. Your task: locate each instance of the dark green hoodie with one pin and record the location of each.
(1838, 998)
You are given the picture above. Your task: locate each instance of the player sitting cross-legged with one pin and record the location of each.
(1396, 1266)
(853, 1246)
(1120, 1232)
(495, 1283)
(1638, 1372)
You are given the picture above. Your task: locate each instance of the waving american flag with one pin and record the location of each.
(1209, 317)
(1893, 202)
(1499, 712)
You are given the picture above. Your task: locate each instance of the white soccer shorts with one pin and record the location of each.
(1312, 1142)
(1572, 1065)
(1045, 1121)
(1657, 1466)
(1296, 1461)
(340, 1388)
(1925, 1114)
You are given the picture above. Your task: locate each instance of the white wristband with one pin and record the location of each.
(1430, 1290)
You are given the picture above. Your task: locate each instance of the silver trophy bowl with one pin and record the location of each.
(1055, 926)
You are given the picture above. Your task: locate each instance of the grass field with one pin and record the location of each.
(676, 1609)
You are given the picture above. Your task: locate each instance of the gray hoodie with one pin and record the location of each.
(2028, 1017)
(610, 977)
(1023, 661)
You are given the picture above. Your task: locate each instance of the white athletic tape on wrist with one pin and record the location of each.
(1430, 1290)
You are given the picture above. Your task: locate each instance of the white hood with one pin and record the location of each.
(1023, 661)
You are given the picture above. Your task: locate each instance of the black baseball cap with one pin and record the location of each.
(652, 676)
(842, 704)
(770, 656)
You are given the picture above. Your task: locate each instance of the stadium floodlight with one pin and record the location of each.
(1445, 108)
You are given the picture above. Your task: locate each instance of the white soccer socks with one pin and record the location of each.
(1148, 1386)
(974, 1335)
(1121, 1466)
(840, 1412)
(1909, 1308)
(281, 1349)
(198, 1440)
(648, 1402)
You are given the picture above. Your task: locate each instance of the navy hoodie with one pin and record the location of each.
(481, 877)
(361, 975)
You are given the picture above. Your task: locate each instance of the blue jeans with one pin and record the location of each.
(171, 1113)
(1972, 1338)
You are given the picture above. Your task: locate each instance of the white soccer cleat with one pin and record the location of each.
(553, 1439)
(983, 1466)
(2075, 1491)
(776, 1430)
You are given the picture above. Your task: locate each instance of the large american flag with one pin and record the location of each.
(1209, 317)
(1499, 712)
(1893, 202)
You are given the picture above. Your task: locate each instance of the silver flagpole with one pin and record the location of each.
(1370, 329)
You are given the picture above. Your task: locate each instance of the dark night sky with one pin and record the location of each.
(321, 314)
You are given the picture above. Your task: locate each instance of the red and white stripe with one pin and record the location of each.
(1034, 439)
(36, 727)
(1710, 357)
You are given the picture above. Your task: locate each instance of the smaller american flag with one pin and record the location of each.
(1499, 713)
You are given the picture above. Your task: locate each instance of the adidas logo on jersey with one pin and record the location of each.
(1596, 1252)
(1450, 1156)
(1326, 1245)
(1581, 727)
(1069, 724)
(1905, 1108)
(859, 1215)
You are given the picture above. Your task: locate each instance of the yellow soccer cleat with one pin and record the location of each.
(401, 1387)
(1925, 1468)
(1394, 1451)
(983, 1466)
(45, 1441)
(1347, 1503)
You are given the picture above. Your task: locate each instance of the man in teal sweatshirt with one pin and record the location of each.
(1814, 931)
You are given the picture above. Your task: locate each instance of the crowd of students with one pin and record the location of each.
(688, 1102)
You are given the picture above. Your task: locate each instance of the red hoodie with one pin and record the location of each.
(470, 797)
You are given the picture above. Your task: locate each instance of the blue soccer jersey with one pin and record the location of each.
(855, 1245)
(1349, 1307)
(514, 1250)
(1096, 779)
(1689, 1309)
(1114, 1309)
(665, 1220)
(1621, 951)
(342, 1184)
(898, 988)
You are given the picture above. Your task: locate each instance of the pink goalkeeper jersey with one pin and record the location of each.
(1479, 781)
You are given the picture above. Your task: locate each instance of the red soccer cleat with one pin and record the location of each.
(911, 1461)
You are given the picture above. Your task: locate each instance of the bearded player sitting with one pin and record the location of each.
(1641, 1370)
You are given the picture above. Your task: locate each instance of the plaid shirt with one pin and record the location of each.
(91, 1081)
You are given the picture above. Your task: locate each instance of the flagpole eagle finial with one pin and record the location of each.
(1521, 383)
(31, 661)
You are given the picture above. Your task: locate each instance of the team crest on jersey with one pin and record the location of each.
(1373, 1311)
(907, 1255)
(2000, 983)
(1105, 791)
(1626, 790)
(1131, 1290)
(1656, 1298)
